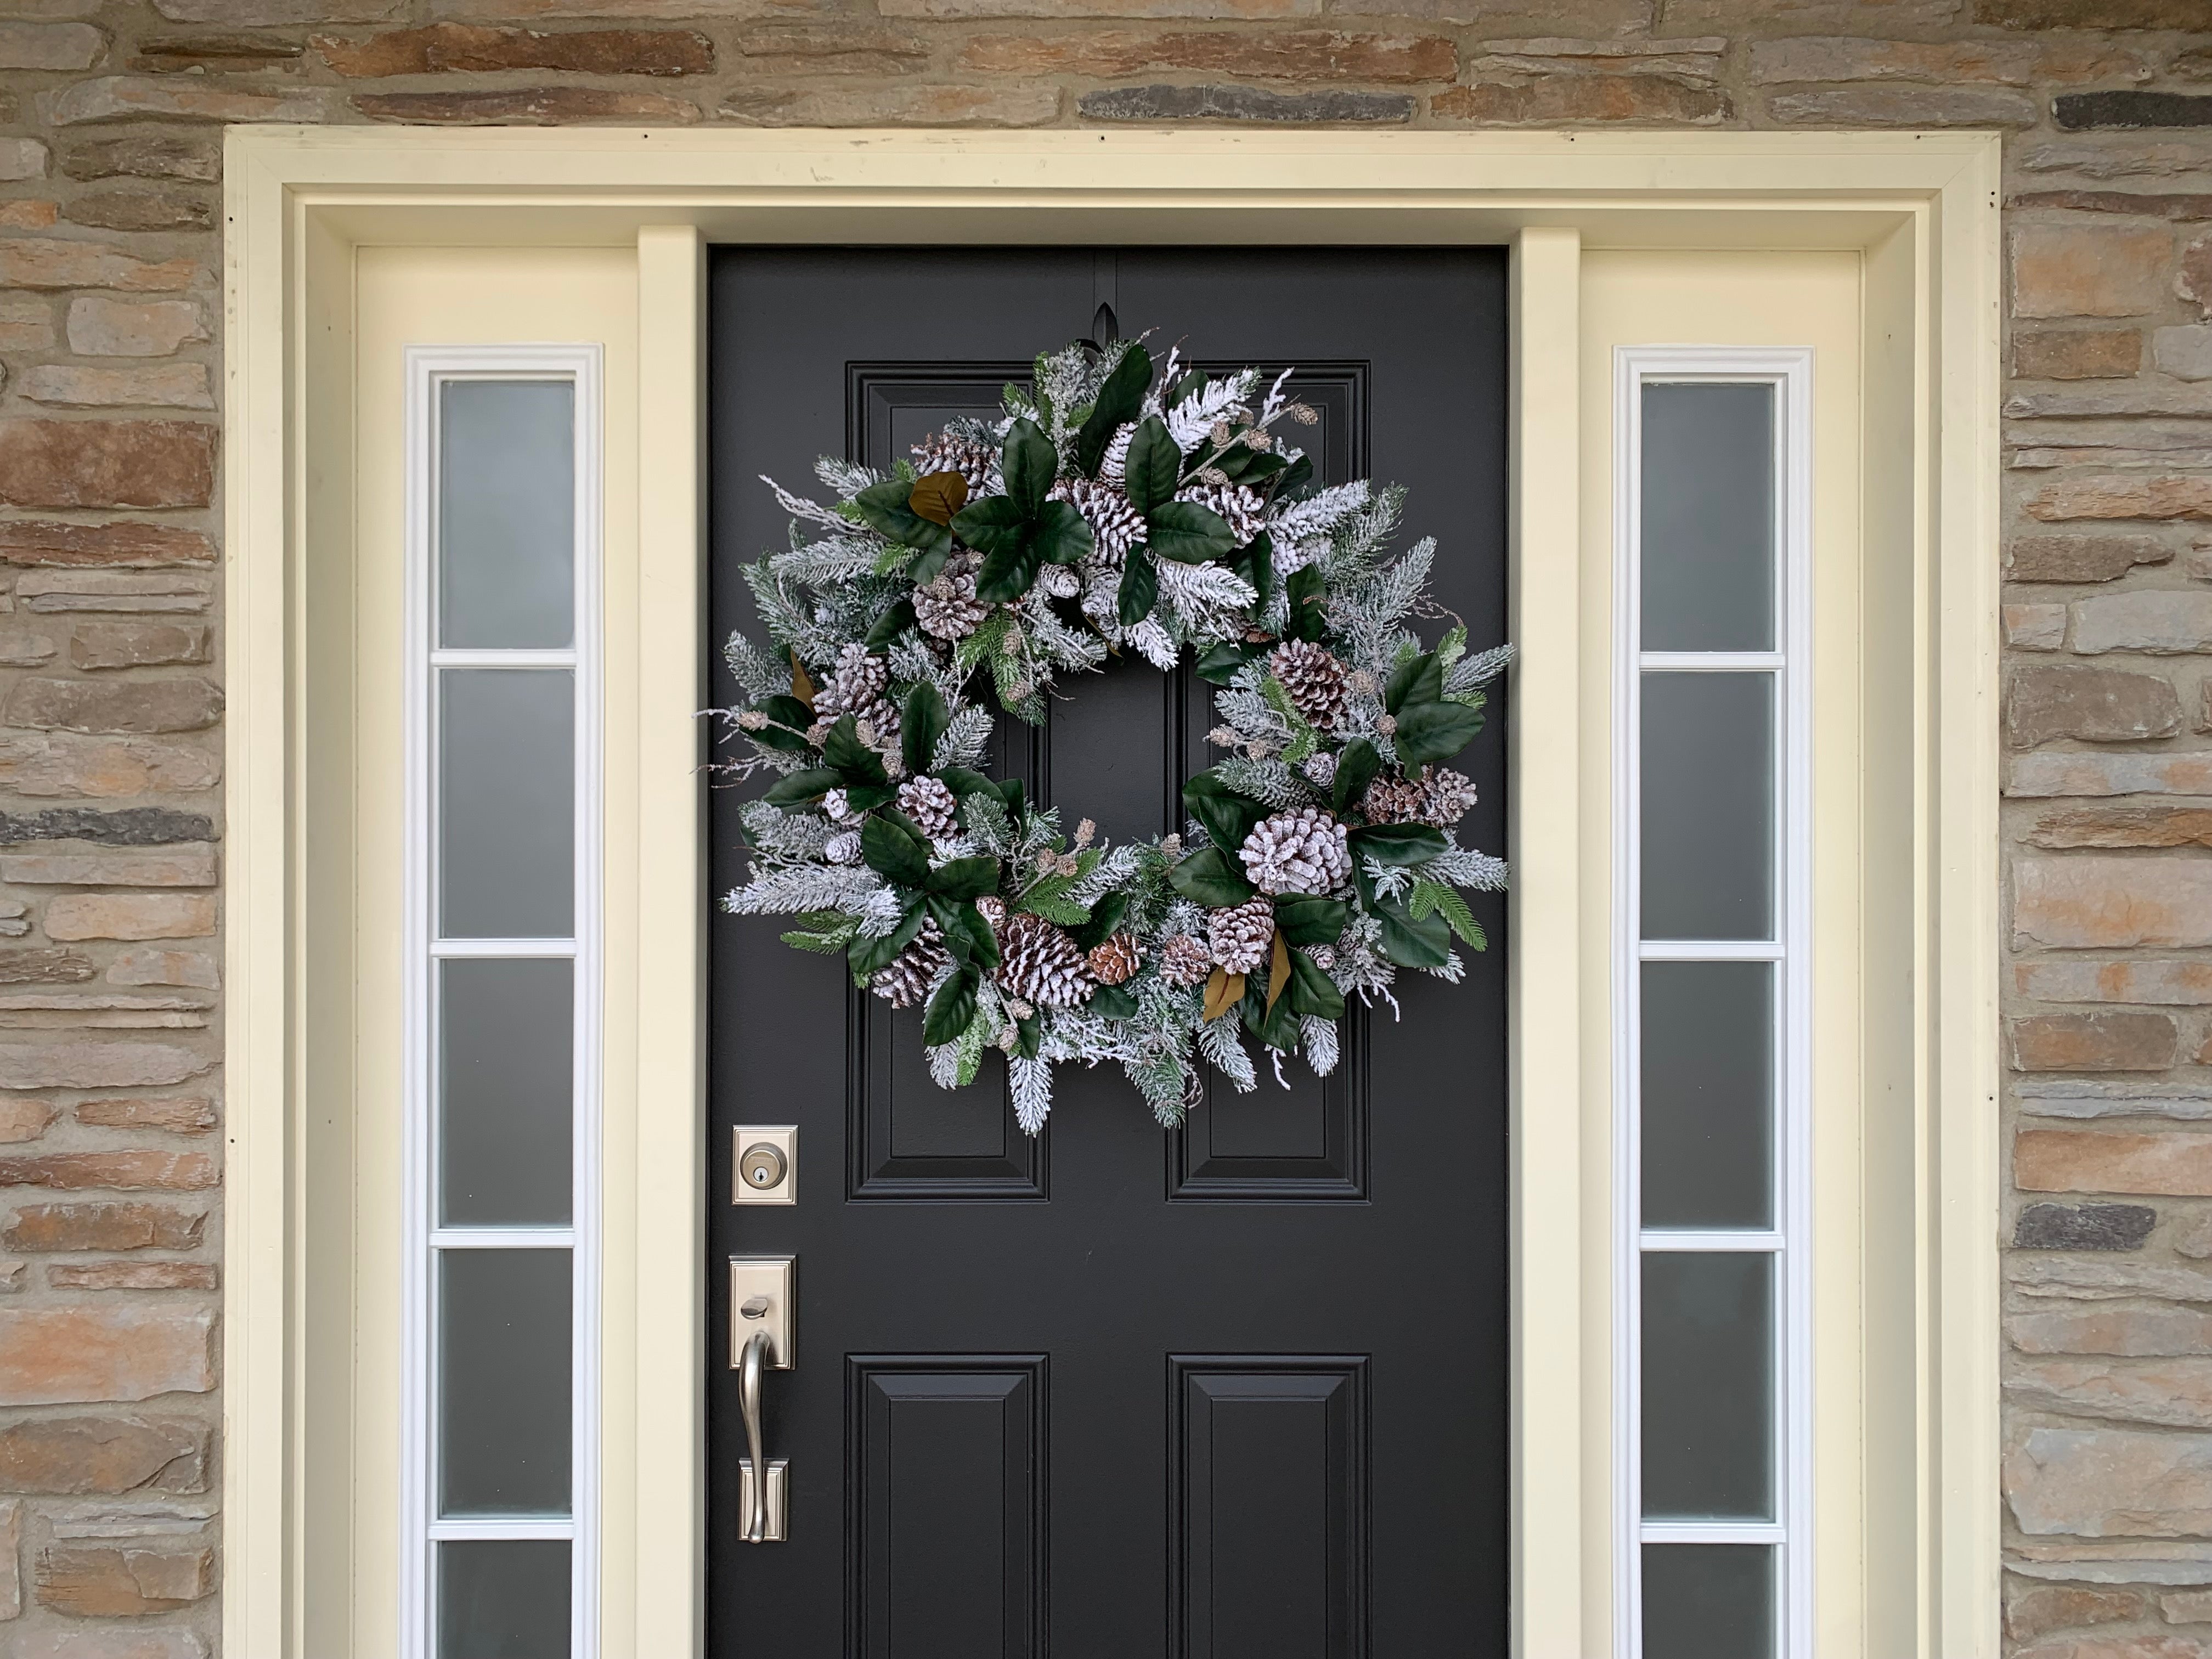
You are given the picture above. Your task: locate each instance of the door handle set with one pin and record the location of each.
(763, 1299)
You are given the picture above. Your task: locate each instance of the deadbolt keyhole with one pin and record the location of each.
(761, 1166)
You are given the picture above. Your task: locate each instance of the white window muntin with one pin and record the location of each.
(429, 370)
(1788, 1528)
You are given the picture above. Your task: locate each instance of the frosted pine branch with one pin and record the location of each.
(1224, 1051)
(1470, 672)
(793, 890)
(799, 507)
(754, 669)
(1462, 867)
(1031, 1081)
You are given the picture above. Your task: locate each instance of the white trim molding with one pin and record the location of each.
(305, 204)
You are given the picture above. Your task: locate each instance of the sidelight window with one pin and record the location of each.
(503, 990)
(1711, 998)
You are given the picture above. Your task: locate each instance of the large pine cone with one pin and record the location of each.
(1300, 852)
(1450, 797)
(1238, 938)
(1115, 960)
(1314, 680)
(1241, 507)
(1184, 959)
(857, 681)
(877, 726)
(946, 607)
(932, 807)
(1115, 525)
(905, 981)
(977, 464)
(1435, 795)
(1395, 801)
(1040, 963)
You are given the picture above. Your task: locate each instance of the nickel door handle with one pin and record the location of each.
(761, 1294)
(755, 1485)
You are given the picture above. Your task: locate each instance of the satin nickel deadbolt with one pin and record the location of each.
(766, 1171)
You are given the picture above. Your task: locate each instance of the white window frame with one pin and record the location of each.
(1790, 373)
(429, 369)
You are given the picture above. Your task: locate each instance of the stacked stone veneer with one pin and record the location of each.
(110, 1145)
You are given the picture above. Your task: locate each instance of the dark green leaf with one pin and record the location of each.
(869, 955)
(927, 567)
(963, 783)
(1029, 1036)
(889, 626)
(922, 724)
(798, 786)
(1111, 1002)
(1307, 591)
(1228, 816)
(1010, 791)
(991, 523)
(1154, 468)
(893, 853)
(1397, 843)
(782, 737)
(1120, 400)
(1430, 732)
(1292, 479)
(1411, 944)
(863, 796)
(1257, 566)
(952, 1010)
(1063, 535)
(1310, 920)
(1356, 767)
(855, 762)
(1277, 1027)
(1312, 992)
(967, 934)
(1220, 662)
(1105, 916)
(1208, 878)
(1140, 590)
(786, 711)
(965, 879)
(883, 508)
(1007, 573)
(1189, 387)
(1028, 463)
(1421, 679)
(1187, 533)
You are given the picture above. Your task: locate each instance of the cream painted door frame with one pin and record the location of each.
(1919, 212)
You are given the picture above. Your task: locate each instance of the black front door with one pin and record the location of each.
(1235, 1390)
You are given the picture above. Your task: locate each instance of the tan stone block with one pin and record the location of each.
(137, 1168)
(836, 107)
(1243, 9)
(1575, 97)
(2035, 627)
(26, 324)
(137, 591)
(145, 155)
(2184, 353)
(26, 214)
(2007, 63)
(2171, 1393)
(542, 106)
(101, 327)
(87, 1456)
(11, 1561)
(131, 916)
(2034, 776)
(1296, 55)
(50, 45)
(132, 1276)
(119, 544)
(123, 1583)
(2101, 1483)
(104, 464)
(2186, 1607)
(2172, 982)
(41, 966)
(45, 1228)
(140, 645)
(144, 209)
(2124, 1331)
(180, 1115)
(2112, 904)
(510, 11)
(805, 49)
(2076, 354)
(20, 649)
(2100, 1161)
(119, 97)
(111, 1642)
(25, 1117)
(2033, 1610)
(2126, 826)
(1909, 106)
(21, 158)
(45, 262)
(2081, 558)
(2095, 1043)
(2097, 705)
(442, 46)
(2153, 620)
(261, 13)
(2089, 14)
(2089, 270)
(63, 763)
(2149, 497)
(109, 706)
(182, 867)
(65, 1356)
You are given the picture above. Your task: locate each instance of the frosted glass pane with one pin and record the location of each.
(506, 512)
(1708, 806)
(1708, 1386)
(503, 1381)
(503, 1600)
(506, 1129)
(1709, 563)
(1708, 1601)
(507, 807)
(1708, 1092)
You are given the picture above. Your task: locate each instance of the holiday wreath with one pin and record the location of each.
(1110, 509)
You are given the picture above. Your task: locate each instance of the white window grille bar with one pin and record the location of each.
(502, 1238)
(1791, 1533)
(446, 949)
(503, 1529)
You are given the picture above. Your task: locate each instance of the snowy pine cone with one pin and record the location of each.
(1299, 851)
(1435, 795)
(976, 463)
(1450, 797)
(1395, 801)
(1184, 959)
(843, 848)
(905, 981)
(931, 806)
(1312, 678)
(946, 607)
(877, 726)
(1241, 508)
(1238, 938)
(857, 681)
(1040, 963)
(1115, 960)
(1115, 525)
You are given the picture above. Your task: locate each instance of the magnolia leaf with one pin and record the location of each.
(1105, 916)
(1417, 680)
(1154, 467)
(927, 567)
(1429, 732)
(1207, 877)
(1029, 463)
(864, 797)
(802, 688)
(855, 762)
(1120, 400)
(1397, 843)
(1063, 535)
(1356, 767)
(1111, 1002)
(952, 1010)
(892, 853)
(796, 787)
(1187, 533)
(1222, 661)
(1425, 942)
(1307, 591)
(1228, 816)
(1292, 479)
(991, 525)
(892, 623)
(921, 726)
(867, 956)
(937, 496)
(1223, 991)
(965, 879)
(1140, 590)
(1310, 920)
(1312, 993)
(967, 935)
(1256, 564)
(885, 509)
(1007, 573)
(1279, 970)
(963, 782)
(1276, 1026)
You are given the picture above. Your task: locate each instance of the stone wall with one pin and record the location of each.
(110, 710)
